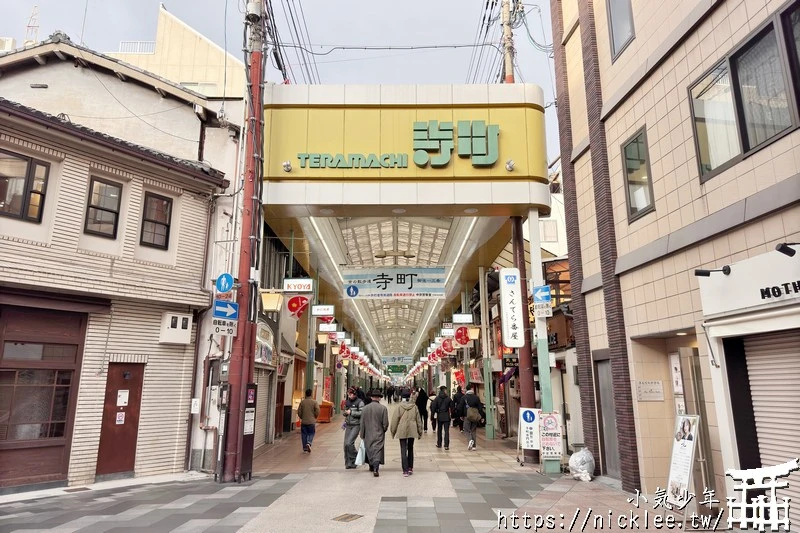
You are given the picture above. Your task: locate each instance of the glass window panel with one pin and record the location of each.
(40, 178)
(26, 351)
(715, 119)
(620, 17)
(12, 194)
(7, 377)
(637, 175)
(106, 195)
(101, 221)
(57, 430)
(64, 377)
(29, 376)
(763, 92)
(32, 404)
(60, 404)
(794, 36)
(6, 393)
(28, 431)
(35, 206)
(155, 234)
(157, 209)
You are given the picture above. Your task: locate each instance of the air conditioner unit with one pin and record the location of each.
(7, 44)
(176, 328)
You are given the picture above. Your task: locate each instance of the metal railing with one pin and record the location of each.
(137, 47)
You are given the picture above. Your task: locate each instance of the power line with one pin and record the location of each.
(481, 18)
(308, 39)
(333, 48)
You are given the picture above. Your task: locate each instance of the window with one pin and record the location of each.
(549, 231)
(762, 89)
(715, 119)
(638, 185)
(620, 24)
(746, 101)
(102, 212)
(155, 221)
(23, 183)
(34, 403)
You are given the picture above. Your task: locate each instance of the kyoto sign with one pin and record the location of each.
(511, 308)
(394, 282)
(298, 285)
(434, 143)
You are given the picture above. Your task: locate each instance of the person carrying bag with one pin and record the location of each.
(406, 425)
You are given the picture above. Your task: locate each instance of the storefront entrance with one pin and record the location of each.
(120, 430)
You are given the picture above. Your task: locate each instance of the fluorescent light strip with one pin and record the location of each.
(446, 281)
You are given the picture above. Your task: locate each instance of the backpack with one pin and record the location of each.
(473, 414)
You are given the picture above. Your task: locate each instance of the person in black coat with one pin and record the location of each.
(458, 416)
(441, 407)
(422, 405)
(470, 399)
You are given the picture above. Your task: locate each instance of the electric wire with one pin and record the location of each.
(489, 23)
(481, 18)
(308, 39)
(297, 35)
(296, 49)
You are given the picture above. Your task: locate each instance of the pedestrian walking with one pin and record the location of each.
(473, 411)
(374, 424)
(458, 417)
(353, 408)
(422, 405)
(308, 412)
(389, 394)
(406, 426)
(431, 397)
(441, 408)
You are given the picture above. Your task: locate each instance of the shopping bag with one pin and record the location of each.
(362, 453)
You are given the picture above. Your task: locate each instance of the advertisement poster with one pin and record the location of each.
(326, 391)
(550, 440)
(249, 421)
(528, 434)
(684, 443)
(511, 300)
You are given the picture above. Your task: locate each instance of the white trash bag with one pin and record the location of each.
(362, 454)
(581, 465)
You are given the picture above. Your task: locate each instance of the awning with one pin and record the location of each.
(508, 375)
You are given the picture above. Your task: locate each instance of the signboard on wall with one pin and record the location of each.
(511, 299)
(649, 390)
(528, 430)
(681, 465)
(400, 283)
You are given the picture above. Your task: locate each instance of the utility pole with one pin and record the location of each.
(241, 365)
(487, 354)
(508, 42)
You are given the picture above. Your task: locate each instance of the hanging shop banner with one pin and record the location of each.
(400, 283)
(511, 307)
(321, 310)
(264, 343)
(550, 436)
(397, 359)
(682, 462)
(297, 305)
(528, 430)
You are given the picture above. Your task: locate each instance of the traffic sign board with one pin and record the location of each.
(226, 310)
(224, 282)
(227, 328)
(541, 295)
(542, 310)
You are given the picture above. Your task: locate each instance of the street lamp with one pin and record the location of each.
(786, 248)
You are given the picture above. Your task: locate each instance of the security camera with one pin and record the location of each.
(287, 166)
(253, 12)
(510, 165)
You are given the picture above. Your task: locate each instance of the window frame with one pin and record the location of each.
(30, 176)
(90, 206)
(171, 201)
(777, 21)
(652, 207)
(616, 53)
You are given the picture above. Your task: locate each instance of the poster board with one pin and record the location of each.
(681, 465)
(528, 437)
(550, 439)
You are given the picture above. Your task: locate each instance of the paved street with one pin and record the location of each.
(453, 491)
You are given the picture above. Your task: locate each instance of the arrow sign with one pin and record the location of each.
(541, 295)
(226, 310)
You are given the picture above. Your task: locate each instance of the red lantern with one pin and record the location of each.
(326, 319)
(462, 335)
(447, 346)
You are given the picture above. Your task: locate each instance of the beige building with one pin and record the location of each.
(681, 151)
(103, 252)
(184, 56)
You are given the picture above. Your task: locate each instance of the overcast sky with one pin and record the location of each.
(339, 22)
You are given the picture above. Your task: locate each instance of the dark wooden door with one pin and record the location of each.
(120, 427)
(279, 408)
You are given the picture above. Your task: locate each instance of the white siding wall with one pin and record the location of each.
(130, 333)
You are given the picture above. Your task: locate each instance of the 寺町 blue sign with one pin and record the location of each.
(394, 282)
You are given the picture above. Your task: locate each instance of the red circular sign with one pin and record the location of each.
(447, 346)
(462, 335)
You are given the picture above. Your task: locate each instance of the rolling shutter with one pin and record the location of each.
(262, 399)
(773, 366)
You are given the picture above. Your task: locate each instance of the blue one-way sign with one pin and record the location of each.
(541, 295)
(227, 310)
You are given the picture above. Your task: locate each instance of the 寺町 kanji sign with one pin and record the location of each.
(394, 283)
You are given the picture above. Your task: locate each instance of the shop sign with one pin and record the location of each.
(298, 285)
(397, 369)
(550, 439)
(397, 359)
(475, 375)
(759, 281)
(682, 459)
(448, 332)
(462, 318)
(511, 308)
(510, 362)
(327, 328)
(401, 283)
(321, 310)
(264, 343)
(649, 390)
